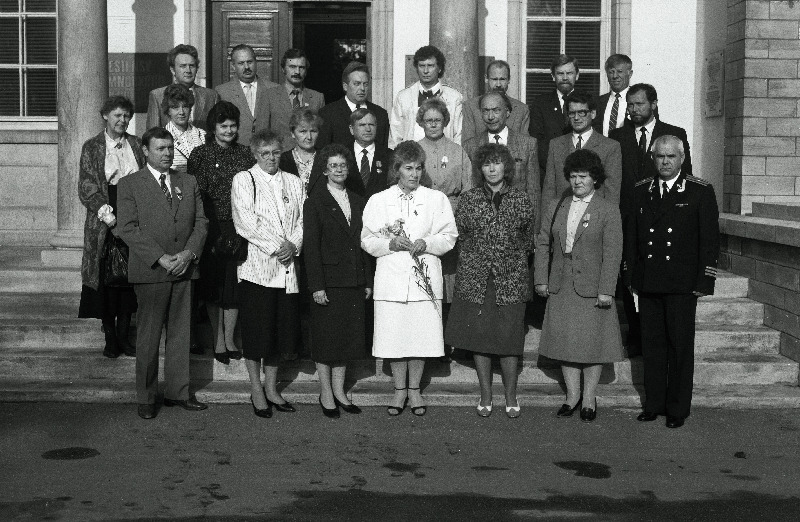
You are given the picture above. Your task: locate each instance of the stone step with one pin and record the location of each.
(728, 285)
(781, 211)
(379, 394)
(710, 368)
(44, 306)
(731, 311)
(40, 281)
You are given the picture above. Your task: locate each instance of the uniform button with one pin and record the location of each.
(669, 230)
(669, 244)
(667, 258)
(649, 256)
(651, 230)
(650, 243)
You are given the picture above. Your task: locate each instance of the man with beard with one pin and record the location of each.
(293, 94)
(548, 119)
(498, 73)
(248, 92)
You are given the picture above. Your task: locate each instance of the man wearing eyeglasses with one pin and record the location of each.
(498, 75)
(581, 110)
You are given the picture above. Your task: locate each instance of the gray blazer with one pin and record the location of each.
(204, 99)
(151, 227)
(472, 124)
(280, 108)
(610, 154)
(249, 123)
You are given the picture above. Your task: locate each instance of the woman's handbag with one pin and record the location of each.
(116, 262)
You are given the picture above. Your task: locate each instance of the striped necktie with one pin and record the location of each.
(165, 188)
(612, 120)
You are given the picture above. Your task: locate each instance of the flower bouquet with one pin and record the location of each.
(422, 278)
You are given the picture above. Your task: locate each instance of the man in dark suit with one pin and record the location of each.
(336, 115)
(581, 112)
(183, 63)
(611, 112)
(495, 110)
(498, 73)
(248, 92)
(671, 251)
(161, 219)
(548, 120)
(292, 94)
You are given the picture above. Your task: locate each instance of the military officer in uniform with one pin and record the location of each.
(671, 250)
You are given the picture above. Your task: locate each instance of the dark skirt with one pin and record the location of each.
(269, 320)
(337, 329)
(218, 283)
(486, 328)
(576, 330)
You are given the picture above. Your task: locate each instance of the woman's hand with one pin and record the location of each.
(320, 297)
(368, 292)
(604, 301)
(418, 247)
(541, 290)
(285, 253)
(399, 243)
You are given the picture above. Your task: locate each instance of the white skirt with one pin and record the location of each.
(412, 329)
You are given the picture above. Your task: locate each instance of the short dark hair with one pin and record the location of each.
(498, 63)
(436, 104)
(304, 115)
(580, 97)
(220, 113)
(332, 150)
(429, 51)
(155, 133)
(617, 59)
(292, 54)
(503, 95)
(585, 160)
(563, 59)
(174, 94)
(242, 47)
(264, 137)
(489, 152)
(354, 67)
(191, 50)
(406, 152)
(358, 114)
(116, 102)
(649, 91)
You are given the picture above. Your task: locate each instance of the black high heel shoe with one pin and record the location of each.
(566, 411)
(589, 414)
(234, 355)
(331, 413)
(286, 407)
(265, 413)
(349, 408)
(394, 411)
(222, 358)
(419, 411)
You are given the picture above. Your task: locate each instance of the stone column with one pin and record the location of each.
(194, 33)
(454, 30)
(82, 89)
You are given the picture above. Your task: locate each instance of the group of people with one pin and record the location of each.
(435, 223)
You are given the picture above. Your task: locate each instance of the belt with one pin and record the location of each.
(568, 256)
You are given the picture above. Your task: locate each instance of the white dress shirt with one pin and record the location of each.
(584, 137)
(621, 110)
(353, 106)
(649, 136)
(340, 195)
(359, 152)
(251, 100)
(670, 183)
(576, 210)
(156, 174)
(120, 160)
(503, 136)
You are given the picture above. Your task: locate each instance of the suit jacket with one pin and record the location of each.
(432, 220)
(518, 121)
(632, 172)
(280, 109)
(204, 100)
(403, 120)
(336, 125)
(526, 173)
(672, 245)
(377, 177)
(555, 185)
(596, 249)
(331, 245)
(249, 123)
(152, 227)
(547, 122)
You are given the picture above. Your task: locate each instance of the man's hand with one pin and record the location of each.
(285, 253)
(167, 262)
(320, 297)
(604, 301)
(541, 290)
(418, 247)
(182, 262)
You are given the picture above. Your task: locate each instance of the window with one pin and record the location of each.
(28, 43)
(575, 27)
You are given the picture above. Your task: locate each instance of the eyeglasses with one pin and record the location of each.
(337, 166)
(433, 121)
(582, 113)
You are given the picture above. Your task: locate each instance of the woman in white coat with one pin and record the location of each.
(407, 227)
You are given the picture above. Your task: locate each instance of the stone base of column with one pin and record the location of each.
(67, 250)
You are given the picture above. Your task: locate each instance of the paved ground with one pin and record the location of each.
(101, 462)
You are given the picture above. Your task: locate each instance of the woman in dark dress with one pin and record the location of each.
(339, 278)
(214, 165)
(496, 234)
(105, 159)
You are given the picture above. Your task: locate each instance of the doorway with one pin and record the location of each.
(332, 35)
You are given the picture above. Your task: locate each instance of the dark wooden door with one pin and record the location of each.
(265, 26)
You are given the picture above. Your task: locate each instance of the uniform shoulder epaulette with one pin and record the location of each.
(699, 181)
(646, 180)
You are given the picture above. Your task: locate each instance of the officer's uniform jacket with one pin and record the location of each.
(672, 245)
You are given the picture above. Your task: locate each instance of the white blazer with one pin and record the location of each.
(431, 219)
(261, 225)
(403, 120)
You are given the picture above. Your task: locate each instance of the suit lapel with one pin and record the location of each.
(336, 211)
(241, 99)
(176, 180)
(590, 209)
(154, 187)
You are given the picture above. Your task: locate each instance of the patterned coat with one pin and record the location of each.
(494, 242)
(93, 193)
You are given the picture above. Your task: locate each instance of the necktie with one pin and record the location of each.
(664, 190)
(642, 147)
(425, 95)
(612, 120)
(295, 99)
(364, 167)
(497, 138)
(579, 145)
(248, 94)
(165, 189)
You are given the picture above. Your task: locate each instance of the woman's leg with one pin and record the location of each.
(591, 377)
(325, 392)
(483, 367)
(338, 371)
(508, 366)
(256, 391)
(415, 369)
(400, 376)
(229, 317)
(572, 378)
(271, 379)
(217, 331)
(123, 334)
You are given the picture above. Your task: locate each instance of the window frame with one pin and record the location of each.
(21, 67)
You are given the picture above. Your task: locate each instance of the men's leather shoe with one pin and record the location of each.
(191, 404)
(646, 416)
(147, 411)
(674, 422)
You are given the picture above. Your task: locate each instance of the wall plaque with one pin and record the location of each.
(134, 75)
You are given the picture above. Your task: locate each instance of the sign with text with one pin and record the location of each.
(134, 75)
(715, 84)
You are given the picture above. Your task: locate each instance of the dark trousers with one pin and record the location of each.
(668, 325)
(633, 341)
(269, 320)
(159, 304)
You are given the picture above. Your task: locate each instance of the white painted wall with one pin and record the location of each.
(154, 23)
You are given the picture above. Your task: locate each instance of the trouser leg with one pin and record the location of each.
(654, 351)
(153, 302)
(680, 324)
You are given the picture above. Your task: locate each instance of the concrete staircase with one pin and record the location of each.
(48, 354)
